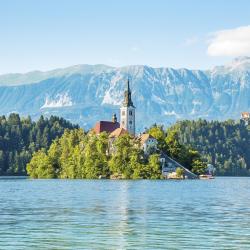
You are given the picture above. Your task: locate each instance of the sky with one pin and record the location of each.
(194, 34)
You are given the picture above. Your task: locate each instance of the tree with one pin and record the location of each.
(127, 158)
(159, 134)
(154, 167)
(20, 138)
(95, 163)
(199, 167)
(175, 149)
(180, 172)
(40, 166)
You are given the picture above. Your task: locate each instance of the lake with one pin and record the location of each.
(106, 214)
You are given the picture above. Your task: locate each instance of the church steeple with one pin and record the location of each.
(127, 111)
(127, 97)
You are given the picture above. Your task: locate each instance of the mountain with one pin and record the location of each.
(87, 93)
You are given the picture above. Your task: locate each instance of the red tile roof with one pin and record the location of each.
(118, 132)
(106, 126)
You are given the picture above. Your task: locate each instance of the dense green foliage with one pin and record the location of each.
(192, 143)
(80, 155)
(180, 172)
(20, 138)
(170, 143)
(226, 145)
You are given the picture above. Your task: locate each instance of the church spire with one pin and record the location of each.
(128, 88)
(127, 96)
(127, 111)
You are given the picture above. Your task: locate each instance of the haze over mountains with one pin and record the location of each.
(87, 93)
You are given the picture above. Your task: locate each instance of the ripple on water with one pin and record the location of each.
(103, 214)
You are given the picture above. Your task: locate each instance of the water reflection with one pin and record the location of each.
(78, 214)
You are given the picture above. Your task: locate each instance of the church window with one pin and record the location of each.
(130, 122)
(130, 112)
(123, 113)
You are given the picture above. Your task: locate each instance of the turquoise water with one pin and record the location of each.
(104, 214)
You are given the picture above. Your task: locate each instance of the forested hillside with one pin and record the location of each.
(21, 137)
(226, 144)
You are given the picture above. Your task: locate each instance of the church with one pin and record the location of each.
(127, 126)
(127, 117)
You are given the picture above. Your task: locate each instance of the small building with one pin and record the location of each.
(210, 169)
(245, 118)
(148, 143)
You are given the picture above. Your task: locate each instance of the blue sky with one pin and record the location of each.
(47, 34)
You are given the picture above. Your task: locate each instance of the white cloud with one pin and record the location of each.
(231, 42)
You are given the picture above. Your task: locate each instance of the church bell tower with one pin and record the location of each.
(127, 112)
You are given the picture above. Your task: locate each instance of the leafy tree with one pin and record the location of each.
(40, 166)
(159, 134)
(120, 160)
(180, 172)
(198, 167)
(154, 167)
(95, 163)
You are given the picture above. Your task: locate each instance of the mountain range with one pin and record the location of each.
(86, 93)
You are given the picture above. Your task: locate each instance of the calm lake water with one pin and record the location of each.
(105, 214)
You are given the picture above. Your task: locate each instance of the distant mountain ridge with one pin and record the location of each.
(86, 93)
(15, 79)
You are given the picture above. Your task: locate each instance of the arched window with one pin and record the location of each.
(130, 112)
